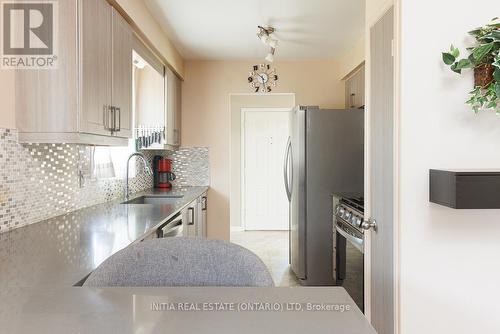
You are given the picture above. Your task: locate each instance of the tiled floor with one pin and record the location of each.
(272, 248)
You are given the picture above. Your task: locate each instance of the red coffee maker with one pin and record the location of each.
(162, 172)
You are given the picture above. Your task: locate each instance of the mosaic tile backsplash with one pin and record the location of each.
(41, 181)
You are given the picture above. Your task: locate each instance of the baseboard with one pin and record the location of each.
(241, 229)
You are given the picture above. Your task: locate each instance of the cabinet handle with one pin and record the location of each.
(105, 117)
(204, 203)
(352, 100)
(176, 136)
(113, 119)
(119, 112)
(191, 222)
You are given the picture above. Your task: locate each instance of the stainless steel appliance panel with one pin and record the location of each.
(297, 192)
(350, 261)
(335, 162)
(326, 155)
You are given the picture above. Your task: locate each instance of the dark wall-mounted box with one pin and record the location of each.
(465, 189)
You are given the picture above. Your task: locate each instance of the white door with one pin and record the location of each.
(265, 134)
(380, 197)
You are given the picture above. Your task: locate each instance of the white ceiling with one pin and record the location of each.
(226, 29)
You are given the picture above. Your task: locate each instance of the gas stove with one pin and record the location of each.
(350, 210)
(349, 245)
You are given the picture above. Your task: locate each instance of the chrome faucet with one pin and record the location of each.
(146, 167)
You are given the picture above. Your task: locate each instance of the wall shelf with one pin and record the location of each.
(465, 189)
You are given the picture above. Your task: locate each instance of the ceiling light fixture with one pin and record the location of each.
(264, 35)
(270, 55)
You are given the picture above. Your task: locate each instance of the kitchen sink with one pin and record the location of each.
(154, 200)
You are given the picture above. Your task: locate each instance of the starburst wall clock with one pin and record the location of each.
(262, 79)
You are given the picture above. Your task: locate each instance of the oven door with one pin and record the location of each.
(172, 228)
(349, 257)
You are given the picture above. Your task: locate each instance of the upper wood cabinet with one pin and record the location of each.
(88, 98)
(157, 105)
(95, 67)
(174, 99)
(46, 100)
(121, 94)
(355, 90)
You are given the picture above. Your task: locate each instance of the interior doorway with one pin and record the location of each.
(259, 133)
(264, 136)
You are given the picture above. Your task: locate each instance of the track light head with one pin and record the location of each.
(270, 55)
(264, 35)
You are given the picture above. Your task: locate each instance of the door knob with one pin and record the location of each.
(369, 224)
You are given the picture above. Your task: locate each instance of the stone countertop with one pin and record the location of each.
(39, 263)
(140, 310)
(61, 251)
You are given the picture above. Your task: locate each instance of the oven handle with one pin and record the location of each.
(172, 224)
(357, 242)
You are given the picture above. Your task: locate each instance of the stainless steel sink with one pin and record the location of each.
(154, 200)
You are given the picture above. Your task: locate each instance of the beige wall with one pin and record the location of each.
(352, 59)
(206, 116)
(356, 55)
(375, 9)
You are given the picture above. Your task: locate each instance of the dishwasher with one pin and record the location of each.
(172, 228)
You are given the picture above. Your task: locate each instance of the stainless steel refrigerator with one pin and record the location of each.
(325, 154)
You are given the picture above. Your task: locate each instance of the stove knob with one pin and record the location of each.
(337, 209)
(341, 212)
(358, 221)
(347, 215)
(353, 220)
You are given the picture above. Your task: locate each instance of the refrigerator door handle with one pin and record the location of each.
(285, 169)
(291, 169)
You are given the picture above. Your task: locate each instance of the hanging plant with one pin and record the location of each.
(484, 58)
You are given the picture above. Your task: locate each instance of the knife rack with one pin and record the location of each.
(149, 137)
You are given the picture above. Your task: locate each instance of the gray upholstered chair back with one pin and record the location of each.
(182, 262)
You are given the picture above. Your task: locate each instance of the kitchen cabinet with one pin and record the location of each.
(173, 97)
(158, 100)
(191, 219)
(122, 74)
(95, 51)
(203, 215)
(43, 98)
(195, 218)
(87, 99)
(355, 90)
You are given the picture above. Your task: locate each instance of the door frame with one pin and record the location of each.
(384, 8)
(243, 112)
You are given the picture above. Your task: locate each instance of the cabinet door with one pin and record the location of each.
(199, 217)
(95, 66)
(204, 212)
(348, 91)
(355, 90)
(46, 100)
(189, 220)
(359, 99)
(177, 112)
(173, 95)
(122, 75)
